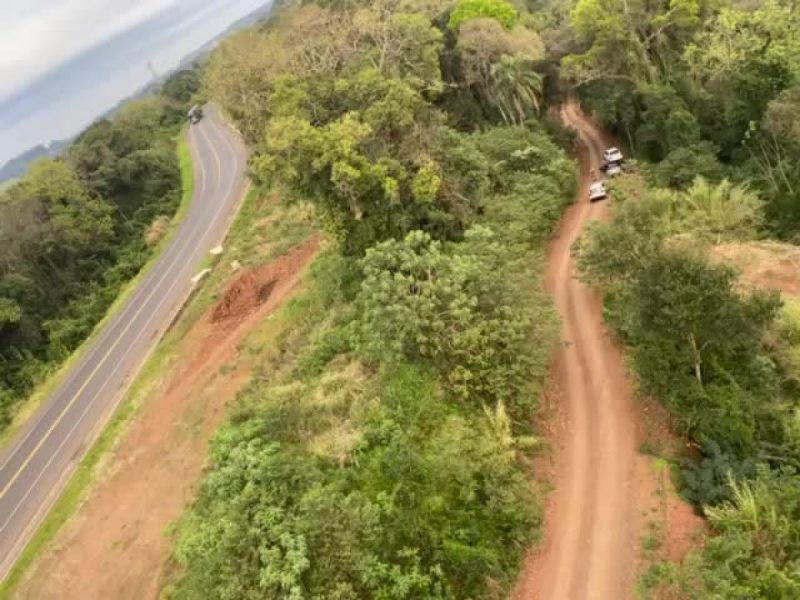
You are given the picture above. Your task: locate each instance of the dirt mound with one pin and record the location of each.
(254, 286)
(241, 298)
(764, 265)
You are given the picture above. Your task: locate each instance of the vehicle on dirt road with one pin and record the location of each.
(597, 191)
(611, 169)
(612, 155)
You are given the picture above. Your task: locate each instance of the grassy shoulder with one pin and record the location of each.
(28, 407)
(262, 230)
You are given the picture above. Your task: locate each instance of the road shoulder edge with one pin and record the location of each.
(76, 481)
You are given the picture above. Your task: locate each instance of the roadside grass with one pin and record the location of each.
(263, 230)
(260, 227)
(789, 334)
(28, 407)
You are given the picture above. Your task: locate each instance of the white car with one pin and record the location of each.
(612, 155)
(597, 191)
(613, 168)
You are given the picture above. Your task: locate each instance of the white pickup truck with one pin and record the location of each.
(597, 191)
(612, 162)
(612, 155)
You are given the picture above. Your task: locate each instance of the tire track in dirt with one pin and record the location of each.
(589, 548)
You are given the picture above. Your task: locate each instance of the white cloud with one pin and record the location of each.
(64, 62)
(45, 33)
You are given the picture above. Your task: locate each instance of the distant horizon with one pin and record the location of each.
(71, 95)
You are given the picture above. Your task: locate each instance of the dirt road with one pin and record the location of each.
(591, 525)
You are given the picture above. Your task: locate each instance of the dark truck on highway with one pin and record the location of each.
(195, 114)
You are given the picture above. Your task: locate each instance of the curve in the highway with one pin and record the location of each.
(38, 464)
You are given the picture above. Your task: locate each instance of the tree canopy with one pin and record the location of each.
(73, 232)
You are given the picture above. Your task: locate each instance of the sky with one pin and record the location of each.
(65, 62)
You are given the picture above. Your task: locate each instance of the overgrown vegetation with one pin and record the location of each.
(721, 360)
(705, 97)
(383, 452)
(703, 88)
(75, 229)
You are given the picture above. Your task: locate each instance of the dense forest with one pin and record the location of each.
(388, 457)
(699, 88)
(76, 228)
(707, 97)
(385, 452)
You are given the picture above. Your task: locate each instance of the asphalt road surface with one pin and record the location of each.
(37, 466)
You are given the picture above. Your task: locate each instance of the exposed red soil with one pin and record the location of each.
(763, 265)
(115, 546)
(597, 514)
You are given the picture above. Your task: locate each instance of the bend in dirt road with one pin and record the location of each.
(589, 549)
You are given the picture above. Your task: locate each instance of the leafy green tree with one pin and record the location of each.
(419, 303)
(10, 312)
(402, 45)
(691, 321)
(501, 11)
(246, 547)
(630, 40)
(615, 104)
(77, 222)
(515, 89)
(181, 87)
(499, 65)
(666, 123)
(722, 211)
(775, 148)
(239, 74)
(742, 60)
(684, 164)
(364, 164)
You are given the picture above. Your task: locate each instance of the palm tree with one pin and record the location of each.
(724, 210)
(514, 87)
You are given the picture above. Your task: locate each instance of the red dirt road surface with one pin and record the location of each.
(591, 525)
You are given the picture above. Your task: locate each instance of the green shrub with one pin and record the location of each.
(501, 11)
(419, 302)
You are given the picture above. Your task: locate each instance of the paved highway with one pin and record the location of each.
(37, 466)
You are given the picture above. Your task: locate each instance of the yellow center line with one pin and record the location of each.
(216, 156)
(86, 383)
